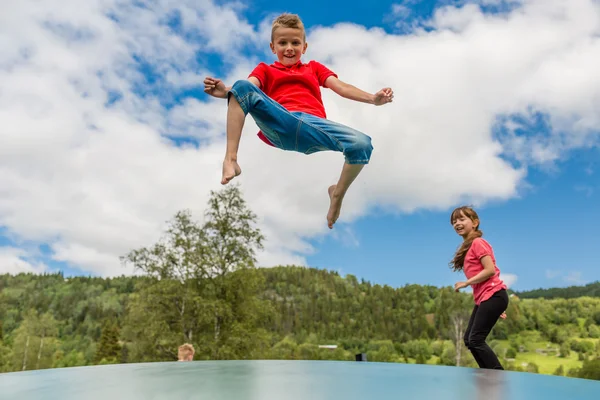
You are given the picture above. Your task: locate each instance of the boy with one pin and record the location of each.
(284, 99)
(186, 352)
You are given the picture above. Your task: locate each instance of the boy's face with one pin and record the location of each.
(288, 44)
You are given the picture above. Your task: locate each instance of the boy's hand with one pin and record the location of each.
(383, 96)
(215, 87)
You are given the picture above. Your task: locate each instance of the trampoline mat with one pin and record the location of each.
(279, 380)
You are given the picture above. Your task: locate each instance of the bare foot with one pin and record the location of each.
(335, 206)
(231, 169)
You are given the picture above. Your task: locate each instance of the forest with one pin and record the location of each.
(199, 284)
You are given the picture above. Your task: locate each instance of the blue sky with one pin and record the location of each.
(71, 210)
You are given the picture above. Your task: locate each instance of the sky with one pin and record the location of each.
(106, 134)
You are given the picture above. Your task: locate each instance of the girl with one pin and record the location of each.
(475, 258)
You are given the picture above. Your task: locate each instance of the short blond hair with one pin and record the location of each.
(186, 350)
(287, 20)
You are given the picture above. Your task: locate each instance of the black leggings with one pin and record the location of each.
(483, 318)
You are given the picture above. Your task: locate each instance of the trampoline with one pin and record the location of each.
(281, 380)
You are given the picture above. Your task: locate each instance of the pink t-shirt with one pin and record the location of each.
(472, 266)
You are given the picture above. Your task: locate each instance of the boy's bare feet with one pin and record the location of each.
(231, 169)
(335, 206)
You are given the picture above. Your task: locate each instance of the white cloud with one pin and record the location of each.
(509, 279)
(97, 181)
(570, 277)
(587, 190)
(574, 277)
(14, 261)
(551, 274)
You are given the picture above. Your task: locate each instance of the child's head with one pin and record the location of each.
(186, 352)
(288, 38)
(465, 222)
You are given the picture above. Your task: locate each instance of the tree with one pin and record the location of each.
(46, 329)
(448, 356)
(108, 348)
(230, 238)
(5, 356)
(532, 367)
(230, 243)
(459, 321)
(590, 369)
(565, 350)
(560, 371)
(203, 280)
(511, 353)
(35, 341)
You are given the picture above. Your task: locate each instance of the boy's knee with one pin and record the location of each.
(240, 90)
(243, 86)
(364, 143)
(361, 150)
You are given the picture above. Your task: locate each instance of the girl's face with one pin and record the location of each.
(464, 225)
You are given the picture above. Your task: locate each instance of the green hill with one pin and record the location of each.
(85, 321)
(571, 292)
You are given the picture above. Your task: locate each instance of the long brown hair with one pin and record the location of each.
(459, 257)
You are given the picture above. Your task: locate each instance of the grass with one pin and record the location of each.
(547, 364)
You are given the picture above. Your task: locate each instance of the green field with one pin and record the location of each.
(546, 363)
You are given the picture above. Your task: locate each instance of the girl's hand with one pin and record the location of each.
(503, 315)
(460, 285)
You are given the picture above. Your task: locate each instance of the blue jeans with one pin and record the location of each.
(298, 131)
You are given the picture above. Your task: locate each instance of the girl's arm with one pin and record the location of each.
(487, 272)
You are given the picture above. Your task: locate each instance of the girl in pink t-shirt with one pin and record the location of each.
(475, 258)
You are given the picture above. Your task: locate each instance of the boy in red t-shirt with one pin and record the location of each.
(475, 258)
(284, 99)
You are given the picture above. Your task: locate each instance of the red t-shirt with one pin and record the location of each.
(472, 266)
(296, 87)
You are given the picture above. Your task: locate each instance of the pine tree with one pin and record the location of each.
(108, 348)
